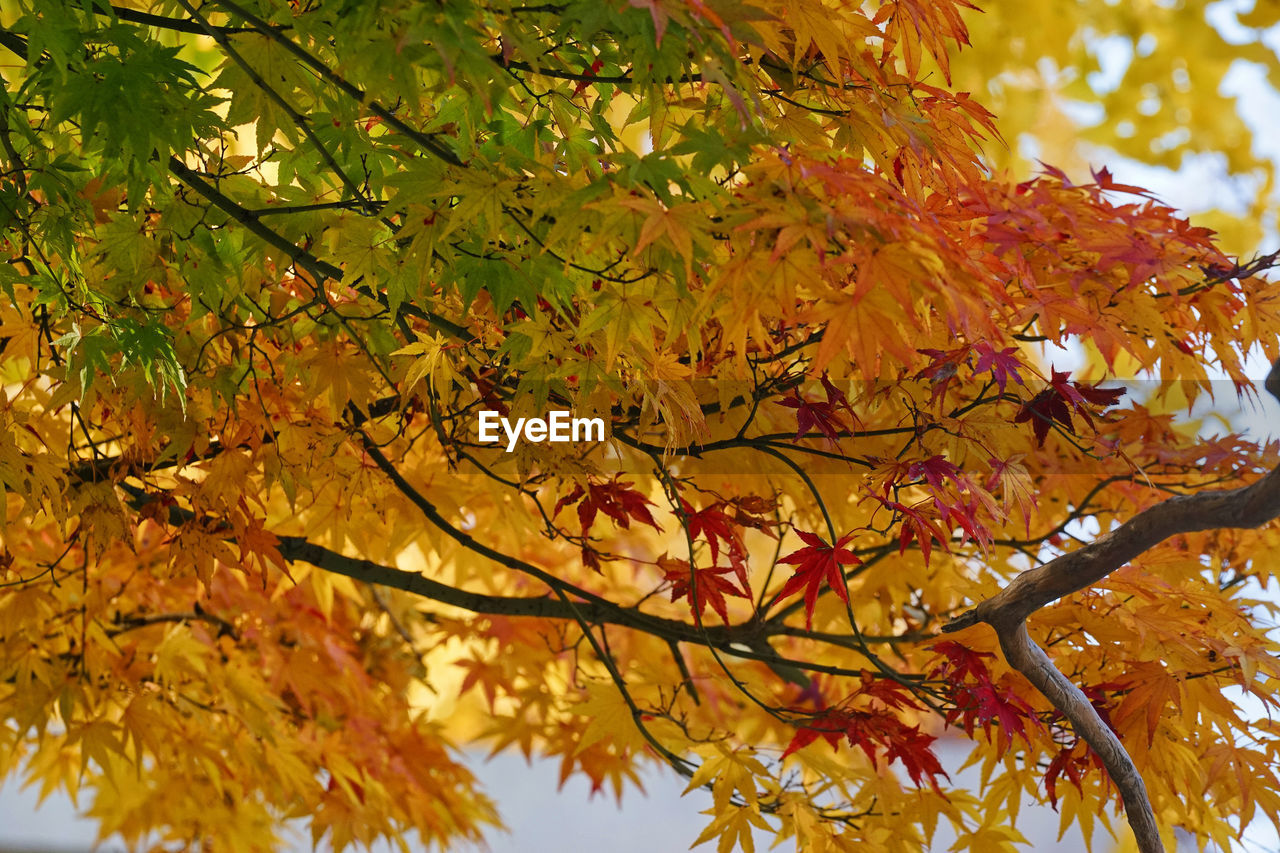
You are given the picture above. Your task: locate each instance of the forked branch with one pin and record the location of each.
(1247, 507)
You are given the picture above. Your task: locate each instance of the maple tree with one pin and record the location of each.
(267, 262)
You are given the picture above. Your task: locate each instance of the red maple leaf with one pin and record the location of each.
(712, 523)
(901, 742)
(1076, 758)
(875, 730)
(823, 416)
(976, 698)
(614, 498)
(819, 563)
(1105, 182)
(1059, 400)
(837, 399)
(700, 586)
(587, 76)
(942, 369)
(830, 724)
(1042, 410)
(568, 500)
(935, 470)
(1002, 364)
(915, 525)
(1074, 761)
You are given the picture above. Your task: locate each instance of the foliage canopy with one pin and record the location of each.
(267, 262)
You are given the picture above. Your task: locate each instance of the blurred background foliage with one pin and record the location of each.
(1184, 91)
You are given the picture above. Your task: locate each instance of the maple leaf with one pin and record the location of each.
(614, 498)
(876, 731)
(976, 698)
(432, 362)
(700, 586)
(942, 369)
(721, 530)
(1105, 182)
(965, 513)
(262, 545)
(750, 511)
(1055, 404)
(916, 525)
(1016, 487)
(591, 559)
(570, 499)
(1043, 410)
(936, 470)
(711, 521)
(810, 414)
(1073, 760)
(837, 398)
(830, 725)
(657, 11)
(906, 744)
(822, 415)
(1003, 364)
(816, 565)
(678, 215)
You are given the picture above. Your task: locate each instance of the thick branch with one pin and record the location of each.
(737, 640)
(731, 639)
(1246, 507)
(1029, 659)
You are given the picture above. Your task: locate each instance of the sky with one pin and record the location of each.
(541, 818)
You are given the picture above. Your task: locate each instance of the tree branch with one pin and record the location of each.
(312, 265)
(1246, 507)
(730, 639)
(299, 120)
(428, 141)
(161, 22)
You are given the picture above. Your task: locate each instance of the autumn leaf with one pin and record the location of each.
(817, 565)
(1015, 484)
(721, 530)
(876, 731)
(1070, 761)
(1003, 364)
(918, 526)
(615, 498)
(432, 363)
(822, 415)
(1055, 403)
(977, 700)
(942, 369)
(700, 586)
